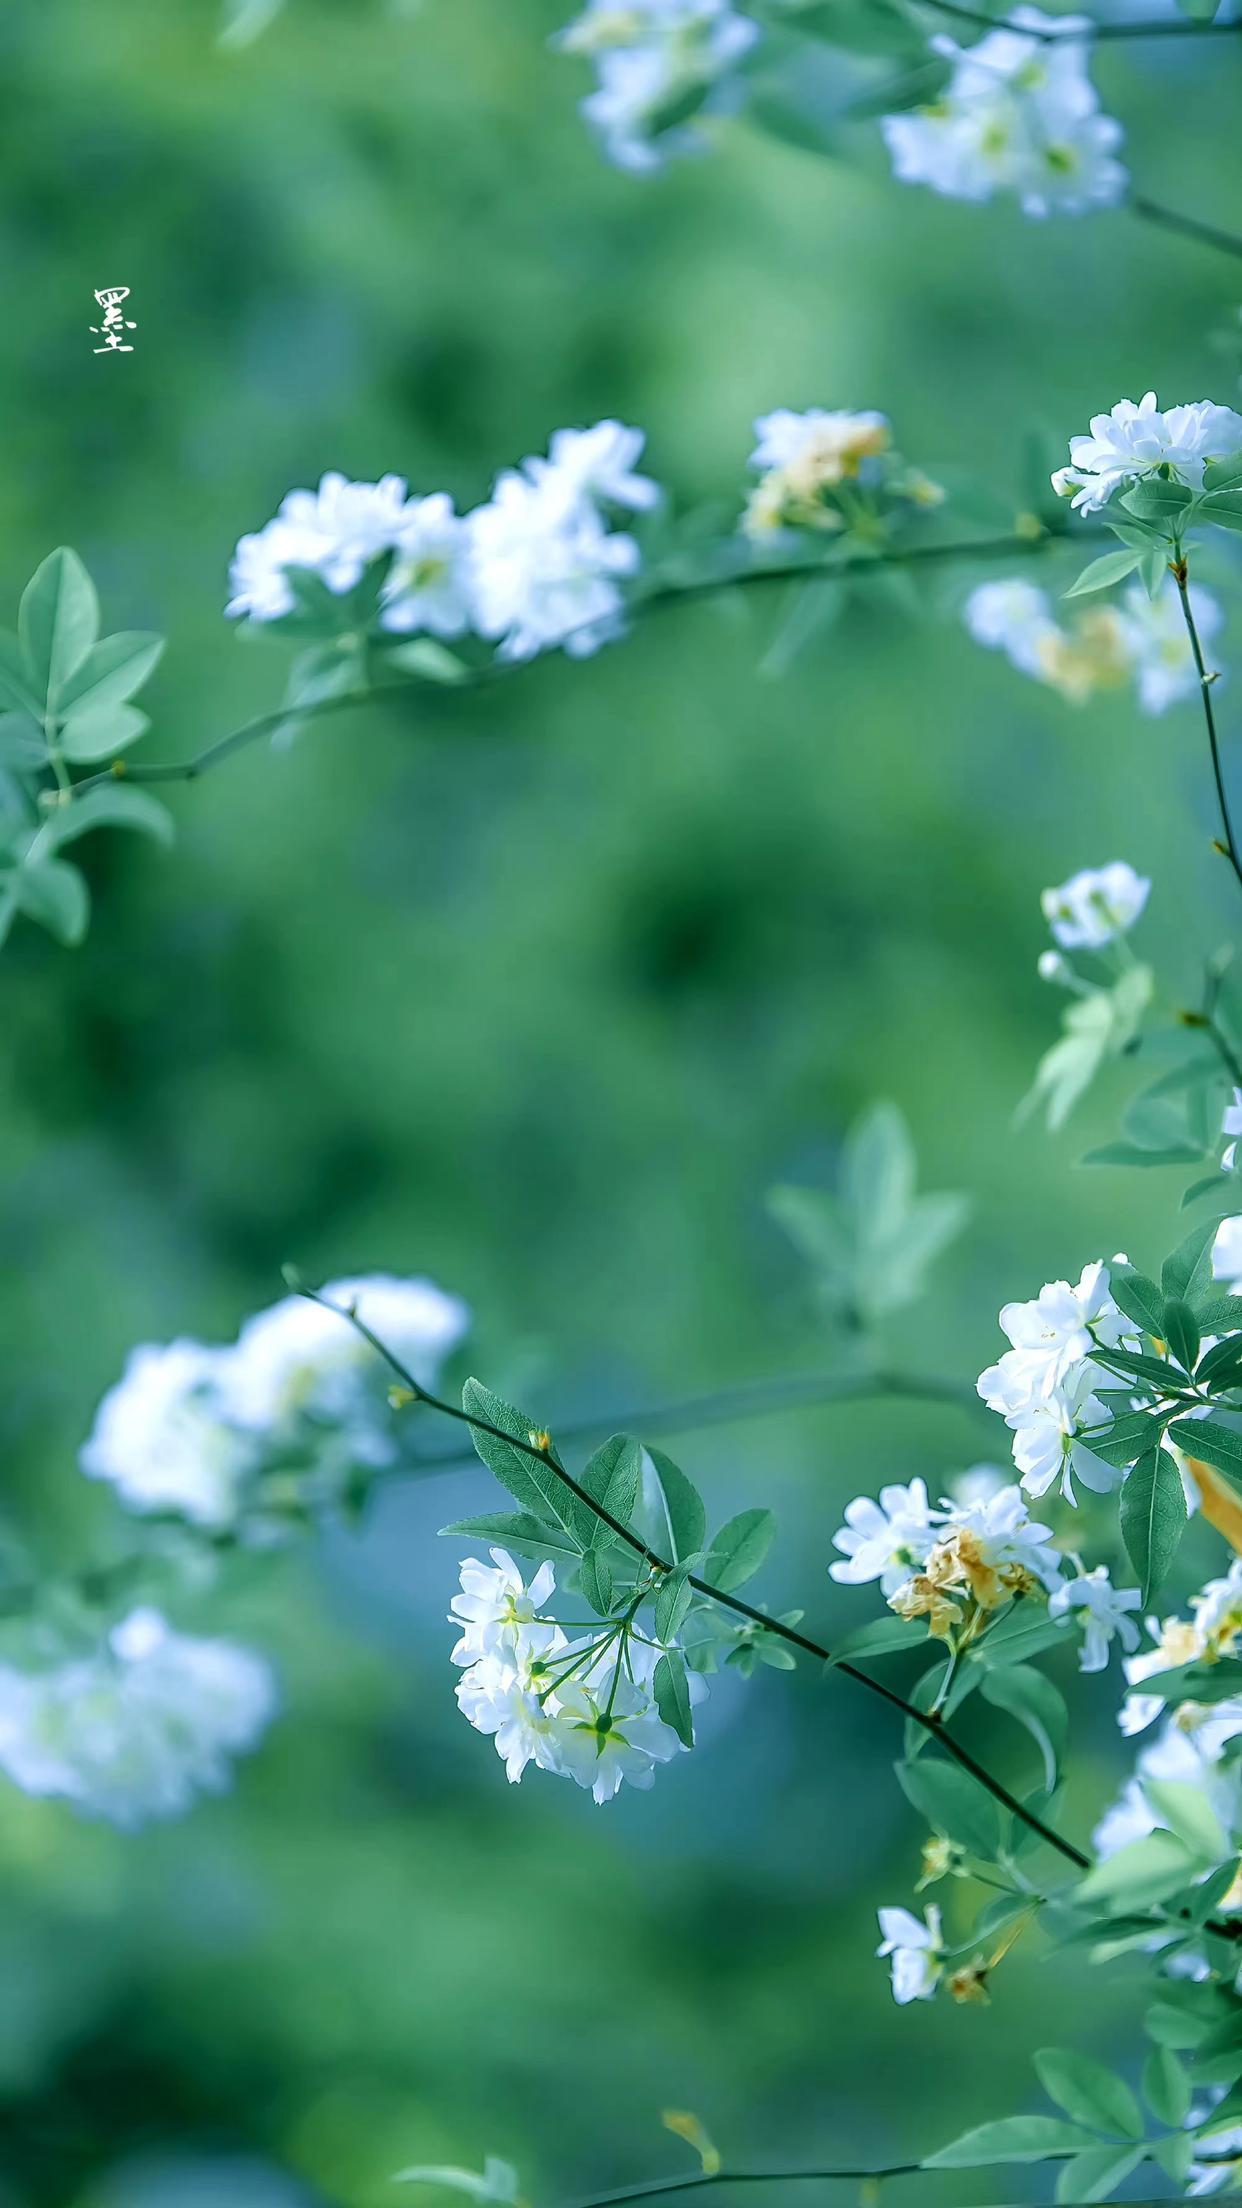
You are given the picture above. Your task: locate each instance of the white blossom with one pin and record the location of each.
(884, 1540)
(545, 568)
(1014, 617)
(1000, 1533)
(978, 1484)
(1131, 441)
(1227, 1254)
(1156, 639)
(598, 463)
(916, 1949)
(819, 448)
(1095, 906)
(651, 57)
(1063, 1324)
(1106, 1614)
(137, 1729)
(298, 1357)
(1018, 114)
(427, 586)
(501, 1698)
(1231, 1125)
(589, 1717)
(1191, 1752)
(500, 1615)
(163, 1438)
(336, 531)
(1140, 640)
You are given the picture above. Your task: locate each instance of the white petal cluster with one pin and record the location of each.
(974, 1553)
(1105, 1614)
(1140, 641)
(188, 1425)
(885, 1540)
(1132, 441)
(1044, 1386)
(538, 565)
(1227, 1251)
(582, 1712)
(813, 466)
(1019, 114)
(1094, 907)
(1231, 1125)
(656, 62)
(916, 1952)
(139, 1727)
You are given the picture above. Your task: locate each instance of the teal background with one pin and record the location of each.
(538, 991)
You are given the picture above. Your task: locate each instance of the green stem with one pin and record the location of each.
(1181, 577)
(1187, 226)
(726, 1601)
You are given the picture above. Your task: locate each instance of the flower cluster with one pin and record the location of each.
(1141, 640)
(1193, 1744)
(959, 1565)
(822, 470)
(1045, 1385)
(1095, 906)
(658, 63)
(1019, 114)
(189, 1426)
(139, 1726)
(538, 565)
(584, 1709)
(1133, 441)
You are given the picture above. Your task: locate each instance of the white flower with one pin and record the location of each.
(1000, 1532)
(586, 1722)
(917, 1951)
(499, 1614)
(544, 568)
(298, 1357)
(1217, 1613)
(427, 586)
(1019, 114)
(884, 1540)
(1013, 617)
(1095, 906)
(1106, 1613)
(136, 1730)
(1047, 1420)
(162, 1437)
(1231, 1125)
(1191, 1752)
(601, 1749)
(976, 1485)
(1064, 1324)
(500, 1698)
(1158, 645)
(598, 463)
(336, 531)
(650, 56)
(1132, 440)
(818, 448)
(1227, 1254)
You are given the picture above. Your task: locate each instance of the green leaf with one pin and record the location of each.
(739, 1549)
(1099, 574)
(955, 1803)
(531, 1482)
(1224, 508)
(1188, 1272)
(55, 894)
(612, 1476)
(596, 1580)
(1220, 1314)
(1218, 1682)
(1219, 1366)
(497, 2185)
(1088, 2092)
(1158, 499)
(1223, 475)
(16, 687)
(1187, 1812)
(1140, 1874)
(672, 1603)
(1153, 1517)
(669, 1514)
(519, 1530)
(1180, 1332)
(1216, 1444)
(111, 672)
(1096, 2173)
(1137, 1296)
(672, 1695)
(430, 661)
(1012, 2139)
(1129, 1436)
(1166, 2087)
(99, 732)
(1140, 1154)
(57, 623)
(112, 805)
(1033, 1700)
(880, 1637)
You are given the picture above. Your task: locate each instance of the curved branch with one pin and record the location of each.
(1229, 848)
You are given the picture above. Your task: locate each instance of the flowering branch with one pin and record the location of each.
(539, 1448)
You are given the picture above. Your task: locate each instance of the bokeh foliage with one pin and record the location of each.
(537, 990)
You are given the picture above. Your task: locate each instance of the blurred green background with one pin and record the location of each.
(538, 991)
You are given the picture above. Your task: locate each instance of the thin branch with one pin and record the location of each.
(545, 1454)
(1186, 27)
(1187, 226)
(1229, 848)
(1013, 546)
(697, 2180)
(758, 1399)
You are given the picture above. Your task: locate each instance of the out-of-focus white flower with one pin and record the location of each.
(916, 1949)
(427, 586)
(1176, 1643)
(1217, 1614)
(298, 1357)
(1014, 617)
(1156, 638)
(138, 1729)
(819, 448)
(1131, 441)
(598, 463)
(1231, 1125)
(1018, 114)
(1189, 1748)
(499, 1613)
(336, 531)
(1227, 1254)
(884, 1540)
(1106, 1614)
(653, 58)
(545, 569)
(978, 1484)
(162, 1436)
(1140, 640)
(1095, 906)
